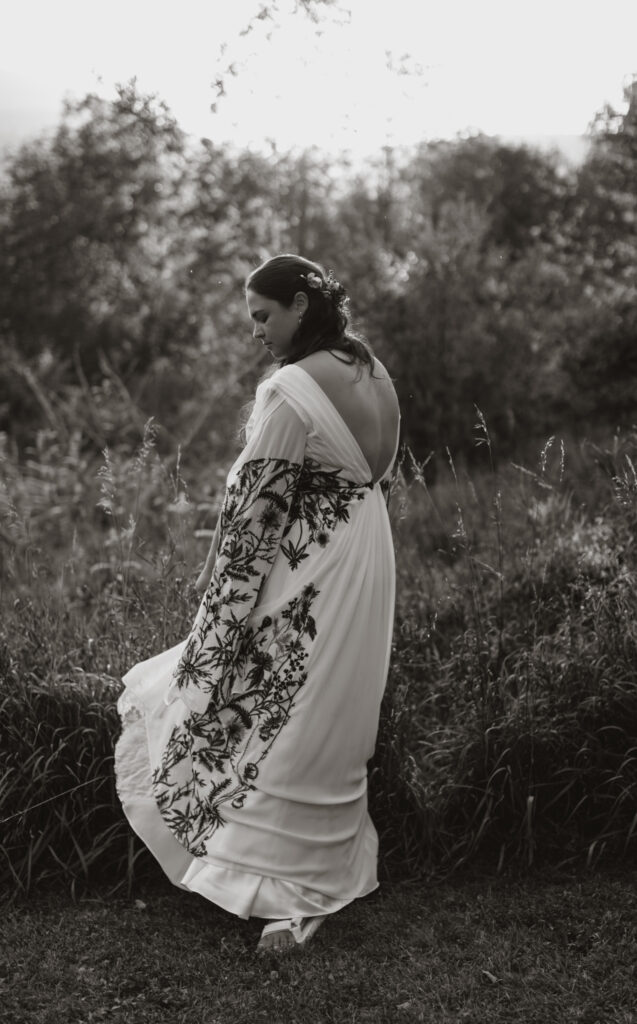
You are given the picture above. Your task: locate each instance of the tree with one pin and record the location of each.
(607, 187)
(86, 226)
(601, 358)
(522, 191)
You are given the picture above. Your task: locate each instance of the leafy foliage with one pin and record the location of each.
(485, 274)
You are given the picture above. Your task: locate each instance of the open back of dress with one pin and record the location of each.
(242, 762)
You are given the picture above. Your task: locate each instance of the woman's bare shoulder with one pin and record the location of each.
(381, 371)
(321, 361)
(326, 365)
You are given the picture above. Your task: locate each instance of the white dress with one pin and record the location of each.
(242, 762)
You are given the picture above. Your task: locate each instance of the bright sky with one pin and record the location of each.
(505, 67)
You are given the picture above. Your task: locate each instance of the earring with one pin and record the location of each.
(300, 317)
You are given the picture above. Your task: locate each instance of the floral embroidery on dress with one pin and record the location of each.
(253, 515)
(213, 759)
(241, 674)
(322, 500)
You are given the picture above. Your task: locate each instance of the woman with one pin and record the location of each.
(242, 760)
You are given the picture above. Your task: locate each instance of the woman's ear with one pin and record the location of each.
(300, 302)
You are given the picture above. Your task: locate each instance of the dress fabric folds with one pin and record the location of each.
(242, 761)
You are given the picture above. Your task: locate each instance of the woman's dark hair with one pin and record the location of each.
(325, 322)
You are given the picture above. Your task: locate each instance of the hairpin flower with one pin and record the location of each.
(313, 280)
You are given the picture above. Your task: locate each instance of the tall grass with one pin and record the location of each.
(96, 570)
(509, 728)
(516, 646)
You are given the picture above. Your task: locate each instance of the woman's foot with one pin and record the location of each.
(283, 936)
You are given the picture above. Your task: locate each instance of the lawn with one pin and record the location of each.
(543, 950)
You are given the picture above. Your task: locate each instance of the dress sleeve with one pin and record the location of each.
(260, 490)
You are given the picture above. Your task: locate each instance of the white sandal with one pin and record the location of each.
(300, 928)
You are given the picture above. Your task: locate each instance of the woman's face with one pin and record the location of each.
(274, 324)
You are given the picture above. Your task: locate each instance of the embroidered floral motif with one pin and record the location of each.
(213, 759)
(245, 672)
(321, 501)
(253, 516)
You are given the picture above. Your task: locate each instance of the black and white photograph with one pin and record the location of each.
(318, 512)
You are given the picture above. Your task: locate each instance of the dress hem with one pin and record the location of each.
(238, 891)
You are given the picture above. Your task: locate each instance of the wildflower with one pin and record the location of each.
(180, 506)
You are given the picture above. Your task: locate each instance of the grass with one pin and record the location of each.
(543, 951)
(507, 745)
(516, 655)
(508, 733)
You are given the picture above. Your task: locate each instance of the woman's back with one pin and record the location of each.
(366, 403)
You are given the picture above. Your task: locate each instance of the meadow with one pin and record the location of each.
(508, 734)
(504, 784)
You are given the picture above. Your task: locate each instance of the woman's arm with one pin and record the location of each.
(251, 525)
(206, 572)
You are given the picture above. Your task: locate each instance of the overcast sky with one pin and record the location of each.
(389, 71)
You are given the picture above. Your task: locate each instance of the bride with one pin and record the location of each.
(242, 761)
